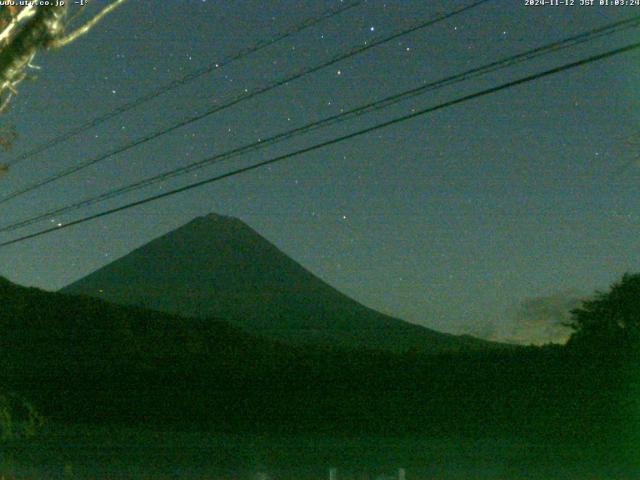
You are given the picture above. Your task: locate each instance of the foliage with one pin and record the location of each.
(609, 322)
(18, 418)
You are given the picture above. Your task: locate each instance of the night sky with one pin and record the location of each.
(491, 217)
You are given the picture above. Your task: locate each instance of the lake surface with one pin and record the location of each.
(128, 453)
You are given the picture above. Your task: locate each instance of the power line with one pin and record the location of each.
(309, 22)
(394, 121)
(353, 113)
(238, 99)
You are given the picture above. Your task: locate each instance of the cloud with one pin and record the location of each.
(538, 320)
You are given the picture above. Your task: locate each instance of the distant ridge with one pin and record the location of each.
(217, 266)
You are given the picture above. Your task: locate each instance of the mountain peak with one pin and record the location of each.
(217, 222)
(217, 266)
(216, 217)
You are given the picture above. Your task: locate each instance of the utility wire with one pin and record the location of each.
(353, 113)
(309, 22)
(394, 121)
(238, 99)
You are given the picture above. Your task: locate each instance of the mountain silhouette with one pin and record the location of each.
(217, 266)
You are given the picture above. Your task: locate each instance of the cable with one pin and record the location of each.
(309, 22)
(394, 121)
(353, 113)
(236, 100)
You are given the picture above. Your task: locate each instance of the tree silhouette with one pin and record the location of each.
(610, 321)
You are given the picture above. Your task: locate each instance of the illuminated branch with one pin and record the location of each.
(22, 15)
(25, 31)
(62, 41)
(40, 30)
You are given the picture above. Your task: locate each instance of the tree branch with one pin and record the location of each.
(34, 28)
(44, 26)
(62, 41)
(22, 15)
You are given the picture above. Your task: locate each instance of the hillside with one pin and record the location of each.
(83, 360)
